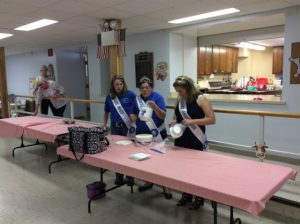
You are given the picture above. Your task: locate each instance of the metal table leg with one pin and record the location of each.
(22, 145)
(59, 159)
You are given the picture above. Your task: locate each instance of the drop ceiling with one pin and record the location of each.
(79, 19)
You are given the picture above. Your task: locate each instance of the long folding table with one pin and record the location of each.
(47, 129)
(238, 183)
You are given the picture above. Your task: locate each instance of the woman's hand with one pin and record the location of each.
(173, 122)
(187, 122)
(151, 104)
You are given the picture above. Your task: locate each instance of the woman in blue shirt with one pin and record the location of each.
(118, 105)
(156, 102)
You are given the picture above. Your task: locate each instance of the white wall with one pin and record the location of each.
(183, 57)
(156, 42)
(21, 67)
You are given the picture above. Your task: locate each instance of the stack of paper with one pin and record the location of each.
(139, 156)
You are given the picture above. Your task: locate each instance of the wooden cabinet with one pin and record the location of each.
(217, 59)
(204, 66)
(208, 60)
(201, 61)
(222, 63)
(277, 60)
(235, 53)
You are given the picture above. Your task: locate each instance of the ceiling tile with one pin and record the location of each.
(15, 9)
(106, 13)
(35, 3)
(73, 6)
(140, 7)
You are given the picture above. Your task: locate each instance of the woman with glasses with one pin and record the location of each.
(195, 112)
(118, 106)
(155, 126)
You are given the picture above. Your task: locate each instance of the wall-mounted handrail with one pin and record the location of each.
(217, 110)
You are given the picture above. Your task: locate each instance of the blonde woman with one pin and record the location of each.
(195, 112)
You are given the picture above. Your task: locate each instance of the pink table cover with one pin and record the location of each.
(48, 132)
(14, 127)
(241, 183)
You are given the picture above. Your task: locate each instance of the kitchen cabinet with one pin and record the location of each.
(201, 61)
(235, 53)
(204, 66)
(208, 60)
(217, 59)
(277, 60)
(223, 58)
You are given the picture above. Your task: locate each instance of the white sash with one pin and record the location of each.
(195, 129)
(155, 131)
(121, 111)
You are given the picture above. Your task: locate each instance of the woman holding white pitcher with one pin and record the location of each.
(149, 112)
(194, 112)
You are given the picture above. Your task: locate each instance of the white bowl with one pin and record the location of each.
(144, 139)
(177, 130)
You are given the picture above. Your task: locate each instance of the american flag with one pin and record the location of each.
(121, 45)
(103, 51)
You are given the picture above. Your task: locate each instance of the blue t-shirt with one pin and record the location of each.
(141, 126)
(127, 101)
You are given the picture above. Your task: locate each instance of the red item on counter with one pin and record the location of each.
(262, 81)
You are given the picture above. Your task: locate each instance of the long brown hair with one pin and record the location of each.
(112, 90)
(188, 84)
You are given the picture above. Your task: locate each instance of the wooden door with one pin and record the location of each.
(228, 60)
(277, 60)
(216, 58)
(201, 61)
(235, 52)
(222, 62)
(208, 60)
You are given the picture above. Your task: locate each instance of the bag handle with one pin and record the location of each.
(72, 150)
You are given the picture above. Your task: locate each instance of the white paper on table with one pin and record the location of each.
(139, 156)
(124, 142)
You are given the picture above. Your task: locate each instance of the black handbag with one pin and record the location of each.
(87, 140)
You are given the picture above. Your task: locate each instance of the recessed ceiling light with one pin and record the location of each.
(4, 35)
(251, 46)
(205, 15)
(36, 24)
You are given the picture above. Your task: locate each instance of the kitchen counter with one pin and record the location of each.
(228, 91)
(241, 98)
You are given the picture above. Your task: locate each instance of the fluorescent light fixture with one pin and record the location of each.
(36, 25)
(205, 15)
(4, 35)
(251, 46)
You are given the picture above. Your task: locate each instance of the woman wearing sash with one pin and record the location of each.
(194, 111)
(118, 106)
(155, 126)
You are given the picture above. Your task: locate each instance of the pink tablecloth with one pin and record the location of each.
(240, 183)
(42, 128)
(50, 131)
(14, 127)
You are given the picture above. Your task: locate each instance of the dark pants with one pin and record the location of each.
(59, 112)
(118, 129)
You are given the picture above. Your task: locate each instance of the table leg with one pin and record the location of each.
(214, 205)
(59, 159)
(22, 145)
(232, 220)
